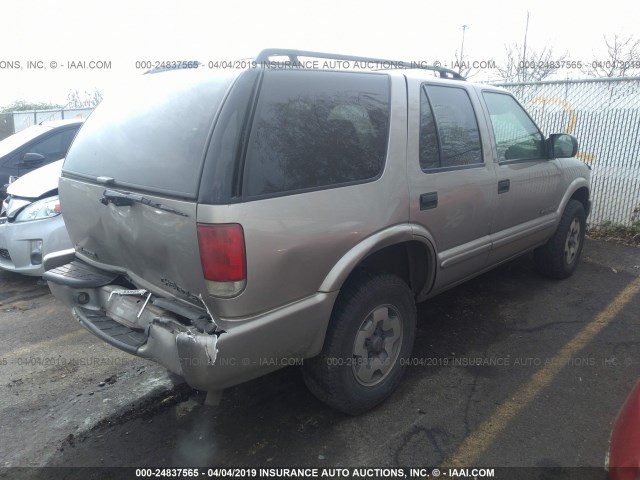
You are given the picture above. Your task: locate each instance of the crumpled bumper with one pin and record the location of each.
(244, 349)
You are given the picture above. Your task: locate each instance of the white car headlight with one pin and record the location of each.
(45, 208)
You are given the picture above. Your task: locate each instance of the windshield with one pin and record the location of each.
(16, 140)
(153, 136)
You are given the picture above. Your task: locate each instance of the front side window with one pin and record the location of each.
(517, 137)
(449, 135)
(314, 130)
(55, 146)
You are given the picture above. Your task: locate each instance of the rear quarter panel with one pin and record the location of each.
(293, 241)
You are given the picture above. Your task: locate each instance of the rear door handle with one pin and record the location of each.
(503, 186)
(428, 200)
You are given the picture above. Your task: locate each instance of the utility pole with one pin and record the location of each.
(464, 28)
(524, 52)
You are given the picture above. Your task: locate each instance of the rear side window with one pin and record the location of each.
(315, 130)
(449, 135)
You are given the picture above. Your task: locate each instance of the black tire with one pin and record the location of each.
(346, 381)
(560, 256)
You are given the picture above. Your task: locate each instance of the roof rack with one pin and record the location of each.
(264, 55)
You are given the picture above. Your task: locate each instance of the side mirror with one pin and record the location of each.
(562, 145)
(31, 159)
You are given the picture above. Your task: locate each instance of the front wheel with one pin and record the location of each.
(368, 342)
(559, 257)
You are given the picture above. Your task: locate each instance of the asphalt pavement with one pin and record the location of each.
(509, 370)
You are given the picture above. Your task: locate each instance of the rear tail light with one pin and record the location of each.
(223, 258)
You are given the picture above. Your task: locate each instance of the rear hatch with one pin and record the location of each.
(130, 181)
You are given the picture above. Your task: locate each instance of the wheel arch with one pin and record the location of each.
(404, 250)
(582, 195)
(577, 190)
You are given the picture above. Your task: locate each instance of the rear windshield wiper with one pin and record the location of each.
(122, 199)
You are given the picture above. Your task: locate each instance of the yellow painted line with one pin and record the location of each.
(476, 443)
(21, 352)
(586, 157)
(573, 117)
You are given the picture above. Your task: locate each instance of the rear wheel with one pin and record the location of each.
(559, 257)
(369, 338)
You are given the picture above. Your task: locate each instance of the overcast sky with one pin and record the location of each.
(125, 32)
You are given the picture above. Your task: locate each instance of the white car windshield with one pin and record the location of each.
(18, 139)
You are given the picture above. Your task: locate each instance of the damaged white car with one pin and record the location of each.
(31, 224)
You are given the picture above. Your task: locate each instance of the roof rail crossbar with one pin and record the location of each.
(264, 55)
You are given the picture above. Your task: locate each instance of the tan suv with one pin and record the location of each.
(229, 223)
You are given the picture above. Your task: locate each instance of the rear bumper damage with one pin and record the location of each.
(186, 340)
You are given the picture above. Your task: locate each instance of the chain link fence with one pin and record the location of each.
(22, 120)
(604, 115)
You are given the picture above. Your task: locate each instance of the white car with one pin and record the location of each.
(31, 224)
(35, 147)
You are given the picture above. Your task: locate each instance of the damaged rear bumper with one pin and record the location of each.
(180, 348)
(246, 349)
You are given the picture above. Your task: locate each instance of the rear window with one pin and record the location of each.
(153, 136)
(315, 130)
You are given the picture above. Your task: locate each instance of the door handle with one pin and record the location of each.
(428, 200)
(503, 186)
